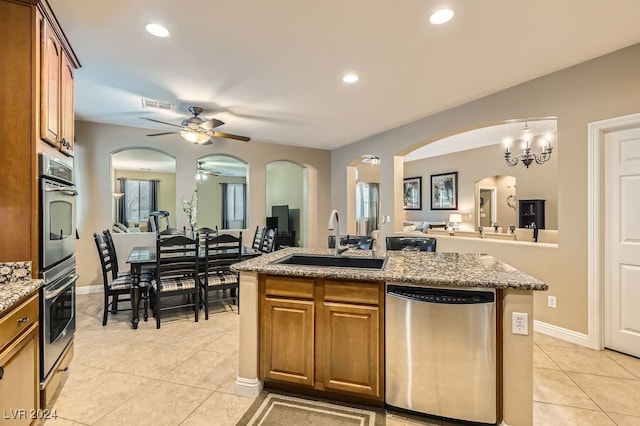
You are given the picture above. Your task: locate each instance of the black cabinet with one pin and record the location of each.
(285, 239)
(531, 214)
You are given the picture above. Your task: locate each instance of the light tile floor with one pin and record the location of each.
(184, 374)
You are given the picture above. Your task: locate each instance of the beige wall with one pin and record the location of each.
(535, 182)
(95, 142)
(285, 186)
(602, 88)
(209, 205)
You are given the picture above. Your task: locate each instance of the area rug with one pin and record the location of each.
(271, 409)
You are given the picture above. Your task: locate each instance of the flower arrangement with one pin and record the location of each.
(191, 210)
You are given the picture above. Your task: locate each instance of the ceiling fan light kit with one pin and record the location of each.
(196, 130)
(194, 137)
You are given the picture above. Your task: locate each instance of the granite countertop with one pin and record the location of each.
(16, 284)
(408, 267)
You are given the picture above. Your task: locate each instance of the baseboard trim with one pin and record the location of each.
(249, 388)
(89, 289)
(561, 333)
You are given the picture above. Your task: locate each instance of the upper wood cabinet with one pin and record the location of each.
(50, 91)
(36, 58)
(67, 111)
(57, 92)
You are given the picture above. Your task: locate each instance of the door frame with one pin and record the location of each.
(595, 221)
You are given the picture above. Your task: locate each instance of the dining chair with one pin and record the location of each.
(207, 231)
(170, 232)
(147, 273)
(257, 237)
(268, 240)
(116, 286)
(220, 252)
(410, 243)
(359, 242)
(176, 274)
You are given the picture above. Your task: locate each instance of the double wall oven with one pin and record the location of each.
(58, 262)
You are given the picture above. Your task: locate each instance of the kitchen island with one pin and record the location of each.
(317, 304)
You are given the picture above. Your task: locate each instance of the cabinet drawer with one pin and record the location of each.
(365, 293)
(292, 288)
(18, 320)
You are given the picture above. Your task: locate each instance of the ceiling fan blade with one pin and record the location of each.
(163, 133)
(211, 123)
(161, 122)
(231, 136)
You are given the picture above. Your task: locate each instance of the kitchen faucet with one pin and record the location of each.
(334, 224)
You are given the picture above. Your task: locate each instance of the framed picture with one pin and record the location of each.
(444, 191)
(412, 193)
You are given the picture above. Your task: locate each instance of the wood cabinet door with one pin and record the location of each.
(19, 378)
(50, 90)
(287, 341)
(351, 350)
(66, 107)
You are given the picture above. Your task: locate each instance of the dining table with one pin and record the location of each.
(145, 256)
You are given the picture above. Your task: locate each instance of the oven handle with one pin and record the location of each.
(69, 190)
(54, 294)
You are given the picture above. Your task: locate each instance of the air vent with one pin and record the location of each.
(149, 104)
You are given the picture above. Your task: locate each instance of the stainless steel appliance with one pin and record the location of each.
(57, 313)
(58, 212)
(58, 261)
(440, 351)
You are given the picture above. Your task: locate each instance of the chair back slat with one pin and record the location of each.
(221, 252)
(257, 237)
(268, 240)
(106, 259)
(207, 231)
(176, 256)
(112, 252)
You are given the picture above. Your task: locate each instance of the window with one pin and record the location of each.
(367, 206)
(233, 205)
(138, 196)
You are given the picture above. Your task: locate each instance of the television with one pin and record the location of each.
(282, 213)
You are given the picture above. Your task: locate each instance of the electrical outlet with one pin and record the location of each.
(551, 301)
(520, 323)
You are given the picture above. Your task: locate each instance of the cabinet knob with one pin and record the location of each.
(23, 320)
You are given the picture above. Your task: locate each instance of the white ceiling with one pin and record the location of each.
(272, 69)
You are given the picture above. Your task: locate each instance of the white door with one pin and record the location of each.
(622, 240)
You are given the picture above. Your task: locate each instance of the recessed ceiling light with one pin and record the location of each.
(157, 30)
(441, 16)
(350, 78)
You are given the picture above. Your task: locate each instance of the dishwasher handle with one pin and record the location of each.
(441, 295)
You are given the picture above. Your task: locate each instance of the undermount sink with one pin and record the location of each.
(330, 261)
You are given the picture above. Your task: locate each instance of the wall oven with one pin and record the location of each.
(58, 261)
(58, 220)
(57, 313)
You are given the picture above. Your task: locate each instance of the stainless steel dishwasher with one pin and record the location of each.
(440, 351)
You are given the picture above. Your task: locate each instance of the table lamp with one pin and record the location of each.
(454, 220)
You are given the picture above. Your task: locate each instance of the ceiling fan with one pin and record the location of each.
(196, 130)
(201, 170)
(374, 160)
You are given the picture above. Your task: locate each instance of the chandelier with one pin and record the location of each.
(527, 156)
